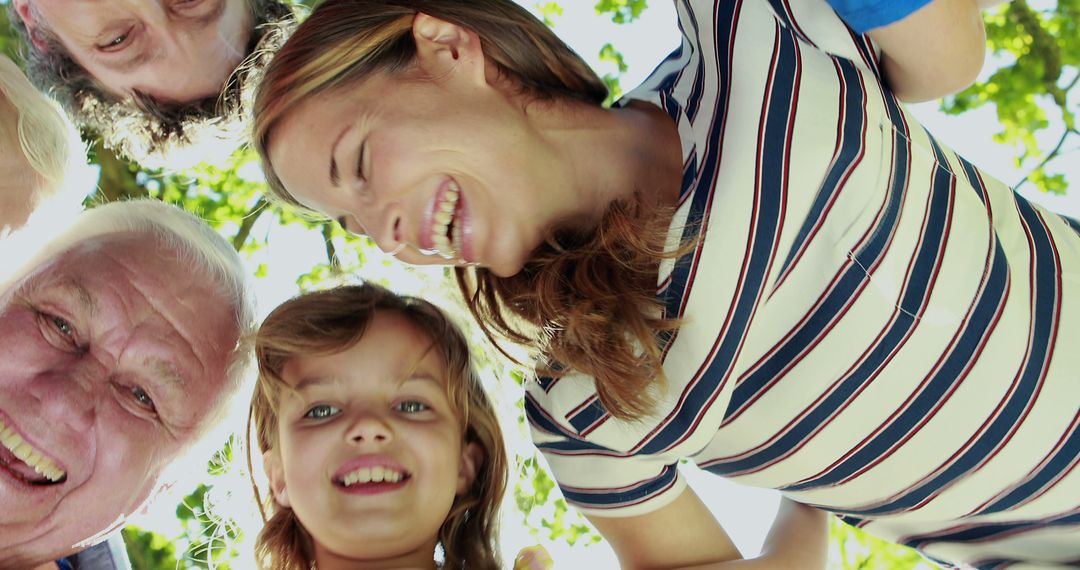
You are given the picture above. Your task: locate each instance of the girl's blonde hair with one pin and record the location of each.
(587, 299)
(329, 321)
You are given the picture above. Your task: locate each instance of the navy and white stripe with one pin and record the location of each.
(871, 324)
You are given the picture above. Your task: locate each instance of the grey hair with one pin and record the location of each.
(194, 242)
(151, 132)
(51, 144)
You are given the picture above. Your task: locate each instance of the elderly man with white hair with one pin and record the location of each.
(120, 348)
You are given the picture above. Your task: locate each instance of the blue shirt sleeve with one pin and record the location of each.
(866, 15)
(109, 555)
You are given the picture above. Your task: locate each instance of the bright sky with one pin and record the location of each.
(745, 513)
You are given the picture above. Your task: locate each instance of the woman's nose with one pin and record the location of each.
(389, 235)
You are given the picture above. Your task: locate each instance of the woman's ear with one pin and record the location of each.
(275, 473)
(445, 49)
(472, 459)
(29, 18)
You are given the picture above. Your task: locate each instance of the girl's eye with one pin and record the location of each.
(412, 407)
(322, 411)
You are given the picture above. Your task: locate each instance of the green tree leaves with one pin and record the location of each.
(1035, 92)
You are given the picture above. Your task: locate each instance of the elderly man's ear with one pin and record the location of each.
(29, 17)
(275, 473)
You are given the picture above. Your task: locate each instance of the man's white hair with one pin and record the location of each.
(198, 247)
(194, 242)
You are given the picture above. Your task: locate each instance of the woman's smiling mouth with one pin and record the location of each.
(445, 234)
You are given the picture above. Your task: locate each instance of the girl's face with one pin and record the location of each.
(370, 453)
(436, 163)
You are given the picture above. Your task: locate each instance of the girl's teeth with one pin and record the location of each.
(372, 475)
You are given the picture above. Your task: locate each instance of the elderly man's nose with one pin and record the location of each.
(68, 396)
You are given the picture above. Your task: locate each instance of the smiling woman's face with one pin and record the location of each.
(172, 50)
(109, 366)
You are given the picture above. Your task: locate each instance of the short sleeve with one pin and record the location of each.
(108, 555)
(866, 15)
(597, 479)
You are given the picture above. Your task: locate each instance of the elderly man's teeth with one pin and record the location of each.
(372, 475)
(28, 455)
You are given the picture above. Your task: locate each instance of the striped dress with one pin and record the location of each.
(872, 325)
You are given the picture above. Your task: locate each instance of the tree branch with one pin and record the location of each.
(331, 252)
(249, 220)
(1046, 159)
(117, 180)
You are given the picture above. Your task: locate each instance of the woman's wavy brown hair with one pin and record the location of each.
(333, 320)
(586, 300)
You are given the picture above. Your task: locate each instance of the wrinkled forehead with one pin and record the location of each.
(137, 279)
(115, 258)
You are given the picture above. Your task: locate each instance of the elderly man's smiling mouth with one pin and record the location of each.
(25, 463)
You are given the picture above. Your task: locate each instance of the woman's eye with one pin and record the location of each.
(321, 411)
(360, 162)
(412, 407)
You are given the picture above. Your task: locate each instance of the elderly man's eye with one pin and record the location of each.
(62, 326)
(143, 399)
(58, 331)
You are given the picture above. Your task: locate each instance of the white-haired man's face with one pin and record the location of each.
(112, 355)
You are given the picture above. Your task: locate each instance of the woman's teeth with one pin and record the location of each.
(447, 242)
(372, 475)
(28, 455)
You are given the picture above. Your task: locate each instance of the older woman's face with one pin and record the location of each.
(438, 163)
(172, 50)
(111, 356)
(19, 182)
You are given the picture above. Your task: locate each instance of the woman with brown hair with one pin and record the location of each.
(756, 260)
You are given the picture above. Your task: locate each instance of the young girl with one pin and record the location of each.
(378, 441)
(862, 319)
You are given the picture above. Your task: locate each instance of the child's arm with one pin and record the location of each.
(934, 51)
(685, 535)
